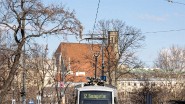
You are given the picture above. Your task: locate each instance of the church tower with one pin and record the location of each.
(112, 37)
(113, 40)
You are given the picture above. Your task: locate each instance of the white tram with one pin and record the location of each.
(96, 95)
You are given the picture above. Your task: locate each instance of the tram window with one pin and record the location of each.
(95, 97)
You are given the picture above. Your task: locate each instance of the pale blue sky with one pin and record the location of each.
(147, 15)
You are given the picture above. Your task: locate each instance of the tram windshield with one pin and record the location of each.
(95, 97)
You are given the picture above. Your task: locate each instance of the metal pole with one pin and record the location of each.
(103, 42)
(63, 79)
(95, 66)
(103, 53)
(96, 60)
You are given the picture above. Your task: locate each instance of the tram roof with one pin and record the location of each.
(96, 88)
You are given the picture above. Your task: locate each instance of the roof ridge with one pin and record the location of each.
(77, 43)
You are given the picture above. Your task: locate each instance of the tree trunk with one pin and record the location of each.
(12, 72)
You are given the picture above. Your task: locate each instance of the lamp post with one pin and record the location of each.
(103, 38)
(103, 42)
(96, 59)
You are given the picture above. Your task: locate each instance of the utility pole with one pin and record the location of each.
(103, 41)
(103, 38)
(96, 60)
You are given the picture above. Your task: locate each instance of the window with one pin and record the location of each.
(128, 83)
(122, 84)
(80, 73)
(153, 83)
(95, 97)
(112, 40)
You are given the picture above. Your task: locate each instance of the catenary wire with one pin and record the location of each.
(97, 10)
(163, 31)
(175, 2)
(94, 26)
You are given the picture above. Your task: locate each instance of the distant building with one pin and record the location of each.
(79, 59)
(133, 83)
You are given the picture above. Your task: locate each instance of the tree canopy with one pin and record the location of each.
(23, 20)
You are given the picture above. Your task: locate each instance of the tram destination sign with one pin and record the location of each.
(95, 95)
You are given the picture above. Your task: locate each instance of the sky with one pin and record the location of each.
(161, 22)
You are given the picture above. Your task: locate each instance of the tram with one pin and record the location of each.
(95, 94)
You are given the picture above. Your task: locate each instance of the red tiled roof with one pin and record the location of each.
(81, 59)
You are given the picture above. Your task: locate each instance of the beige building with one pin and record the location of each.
(162, 88)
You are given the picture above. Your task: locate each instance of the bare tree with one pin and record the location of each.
(6, 51)
(128, 41)
(172, 59)
(154, 93)
(25, 19)
(161, 85)
(41, 71)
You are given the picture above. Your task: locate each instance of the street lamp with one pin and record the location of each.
(96, 54)
(102, 47)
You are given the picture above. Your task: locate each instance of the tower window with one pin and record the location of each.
(112, 40)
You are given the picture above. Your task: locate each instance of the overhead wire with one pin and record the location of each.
(171, 1)
(97, 10)
(94, 26)
(163, 31)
